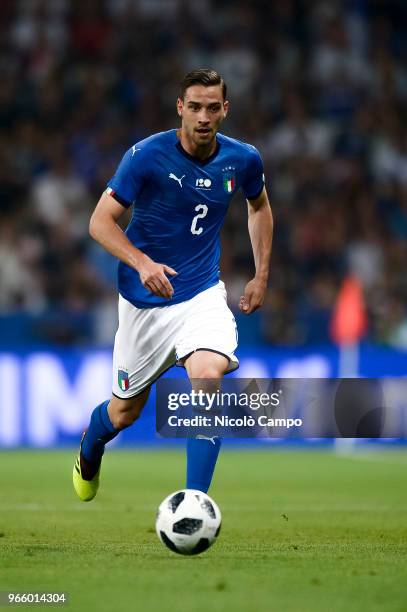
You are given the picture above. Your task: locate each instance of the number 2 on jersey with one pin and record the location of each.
(202, 209)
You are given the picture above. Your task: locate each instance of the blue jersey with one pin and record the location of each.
(179, 204)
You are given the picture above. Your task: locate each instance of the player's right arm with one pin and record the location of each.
(103, 228)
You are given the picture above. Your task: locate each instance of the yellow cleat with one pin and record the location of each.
(85, 489)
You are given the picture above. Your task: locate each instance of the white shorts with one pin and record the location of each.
(151, 340)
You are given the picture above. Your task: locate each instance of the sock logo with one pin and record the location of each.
(123, 379)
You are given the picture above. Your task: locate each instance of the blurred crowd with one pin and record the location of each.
(319, 87)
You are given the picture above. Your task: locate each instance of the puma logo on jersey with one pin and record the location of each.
(179, 180)
(133, 148)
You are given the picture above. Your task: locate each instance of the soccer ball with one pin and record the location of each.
(188, 522)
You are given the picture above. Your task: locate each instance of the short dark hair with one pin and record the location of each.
(202, 76)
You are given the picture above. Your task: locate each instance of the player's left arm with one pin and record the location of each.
(261, 234)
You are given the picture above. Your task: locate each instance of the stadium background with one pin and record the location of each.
(320, 88)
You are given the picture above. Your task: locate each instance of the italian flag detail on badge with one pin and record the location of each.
(229, 184)
(110, 191)
(229, 180)
(123, 380)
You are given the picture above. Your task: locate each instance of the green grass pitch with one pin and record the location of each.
(302, 531)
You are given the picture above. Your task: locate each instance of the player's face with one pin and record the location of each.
(202, 110)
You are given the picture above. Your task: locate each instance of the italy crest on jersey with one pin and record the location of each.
(229, 180)
(123, 379)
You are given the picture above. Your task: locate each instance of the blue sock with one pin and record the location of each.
(201, 460)
(99, 432)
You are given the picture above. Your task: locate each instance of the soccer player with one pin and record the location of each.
(172, 304)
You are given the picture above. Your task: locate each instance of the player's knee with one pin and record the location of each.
(123, 416)
(123, 412)
(208, 372)
(123, 419)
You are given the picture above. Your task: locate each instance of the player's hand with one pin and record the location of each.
(253, 298)
(153, 278)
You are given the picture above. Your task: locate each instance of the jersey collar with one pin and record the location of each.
(196, 160)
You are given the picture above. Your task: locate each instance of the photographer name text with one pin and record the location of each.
(226, 421)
